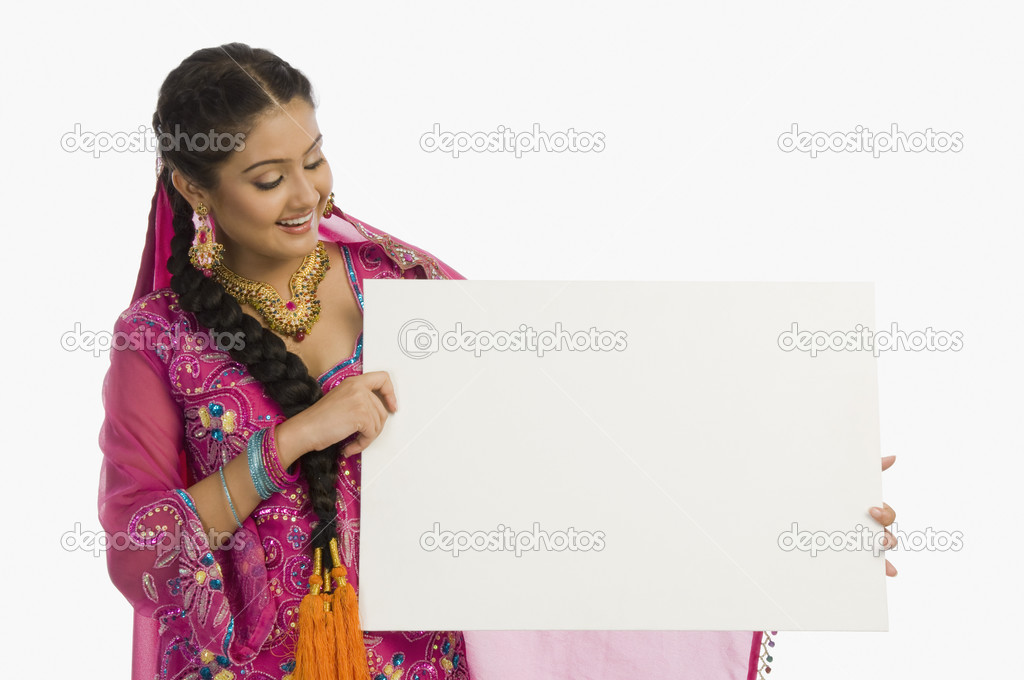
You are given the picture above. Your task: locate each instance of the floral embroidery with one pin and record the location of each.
(215, 666)
(199, 606)
(212, 426)
(450, 661)
(199, 586)
(297, 537)
(392, 670)
(217, 420)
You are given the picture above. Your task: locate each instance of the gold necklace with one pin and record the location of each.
(294, 317)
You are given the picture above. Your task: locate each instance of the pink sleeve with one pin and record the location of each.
(158, 554)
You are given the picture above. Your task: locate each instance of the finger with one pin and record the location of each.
(884, 515)
(375, 415)
(890, 540)
(889, 569)
(887, 462)
(380, 414)
(380, 383)
(380, 409)
(388, 399)
(356, 446)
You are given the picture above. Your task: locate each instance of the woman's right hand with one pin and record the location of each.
(358, 405)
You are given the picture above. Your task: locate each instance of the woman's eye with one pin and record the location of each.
(267, 186)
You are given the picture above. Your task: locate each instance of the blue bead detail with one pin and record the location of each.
(288, 666)
(397, 659)
(380, 676)
(446, 646)
(206, 673)
(455, 662)
(207, 559)
(218, 435)
(187, 499)
(231, 630)
(223, 661)
(216, 410)
(215, 583)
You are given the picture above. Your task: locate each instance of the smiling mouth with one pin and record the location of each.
(297, 221)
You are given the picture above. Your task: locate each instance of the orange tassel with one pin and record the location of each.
(330, 636)
(314, 655)
(351, 649)
(331, 643)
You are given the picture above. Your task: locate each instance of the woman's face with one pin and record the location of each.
(280, 174)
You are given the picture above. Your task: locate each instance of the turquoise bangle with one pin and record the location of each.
(226, 493)
(260, 479)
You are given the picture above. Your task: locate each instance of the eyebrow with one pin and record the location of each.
(285, 160)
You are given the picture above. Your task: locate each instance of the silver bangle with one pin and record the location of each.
(230, 504)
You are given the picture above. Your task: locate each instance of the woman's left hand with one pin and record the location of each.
(885, 516)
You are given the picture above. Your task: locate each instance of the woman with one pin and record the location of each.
(215, 597)
(236, 416)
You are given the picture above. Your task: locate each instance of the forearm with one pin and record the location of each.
(212, 503)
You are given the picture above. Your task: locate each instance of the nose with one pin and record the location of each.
(305, 196)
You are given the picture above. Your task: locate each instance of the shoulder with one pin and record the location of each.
(155, 324)
(375, 247)
(157, 309)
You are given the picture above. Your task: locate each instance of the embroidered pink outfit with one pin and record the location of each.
(203, 613)
(178, 409)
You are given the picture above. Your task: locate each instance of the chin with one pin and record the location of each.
(298, 244)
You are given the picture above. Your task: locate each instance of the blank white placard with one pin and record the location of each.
(686, 449)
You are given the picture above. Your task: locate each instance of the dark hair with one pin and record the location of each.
(220, 90)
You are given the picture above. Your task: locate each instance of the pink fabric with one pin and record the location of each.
(158, 436)
(613, 655)
(158, 246)
(202, 608)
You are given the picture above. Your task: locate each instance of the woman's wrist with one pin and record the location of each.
(290, 443)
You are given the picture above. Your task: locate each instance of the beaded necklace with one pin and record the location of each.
(294, 317)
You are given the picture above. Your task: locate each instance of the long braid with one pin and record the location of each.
(207, 92)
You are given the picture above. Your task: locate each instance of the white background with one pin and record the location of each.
(691, 186)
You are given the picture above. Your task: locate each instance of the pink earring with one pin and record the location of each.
(205, 253)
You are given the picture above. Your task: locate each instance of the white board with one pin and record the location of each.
(687, 449)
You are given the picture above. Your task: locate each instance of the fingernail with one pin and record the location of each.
(876, 513)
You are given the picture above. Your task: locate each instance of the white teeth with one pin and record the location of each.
(297, 222)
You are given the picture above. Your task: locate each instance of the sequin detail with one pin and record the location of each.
(232, 613)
